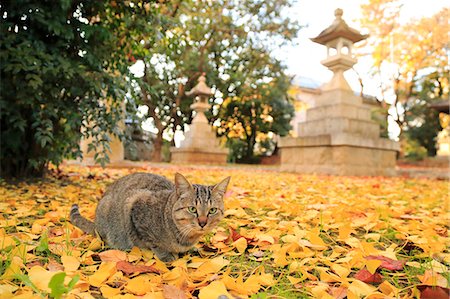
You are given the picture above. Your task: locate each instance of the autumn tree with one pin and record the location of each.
(404, 53)
(64, 75)
(422, 120)
(230, 41)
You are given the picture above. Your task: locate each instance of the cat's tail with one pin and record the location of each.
(81, 222)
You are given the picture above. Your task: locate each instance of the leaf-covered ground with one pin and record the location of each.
(284, 236)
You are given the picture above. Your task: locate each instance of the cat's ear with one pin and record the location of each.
(221, 187)
(181, 184)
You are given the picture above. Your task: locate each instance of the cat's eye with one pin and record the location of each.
(212, 211)
(192, 210)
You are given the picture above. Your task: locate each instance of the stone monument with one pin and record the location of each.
(200, 144)
(339, 137)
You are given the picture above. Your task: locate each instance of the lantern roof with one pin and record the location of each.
(337, 29)
(201, 89)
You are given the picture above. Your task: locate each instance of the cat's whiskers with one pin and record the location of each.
(184, 233)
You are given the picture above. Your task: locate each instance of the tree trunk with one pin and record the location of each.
(157, 148)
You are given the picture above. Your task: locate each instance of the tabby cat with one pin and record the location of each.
(148, 211)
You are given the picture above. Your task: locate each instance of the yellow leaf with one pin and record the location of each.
(294, 280)
(321, 291)
(40, 277)
(432, 278)
(212, 266)
(70, 263)
(265, 238)
(372, 265)
(369, 248)
(214, 290)
(344, 231)
(314, 238)
(360, 288)
(105, 270)
(343, 272)
(13, 269)
(388, 289)
(6, 291)
(153, 295)
(6, 241)
(240, 244)
(135, 254)
(140, 285)
(109, 292)
(96, 244)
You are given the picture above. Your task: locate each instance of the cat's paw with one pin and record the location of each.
(165, 256)
(168, 257)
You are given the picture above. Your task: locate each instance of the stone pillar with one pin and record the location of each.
(200, 144)
(339, 137)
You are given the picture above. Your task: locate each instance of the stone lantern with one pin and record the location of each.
(200, 144)
(339, 39)
(339, 135)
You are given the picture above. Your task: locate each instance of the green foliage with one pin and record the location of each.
(414, 151)
(229, 41)
(423, 121)
(57, 286)
(64, 70)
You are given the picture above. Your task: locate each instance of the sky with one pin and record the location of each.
(303, 58)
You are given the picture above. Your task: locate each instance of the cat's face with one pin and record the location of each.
(198, 208)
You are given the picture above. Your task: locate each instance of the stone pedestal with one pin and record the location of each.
(200, 144)
(339, 137)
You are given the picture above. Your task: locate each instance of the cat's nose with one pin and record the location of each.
(202, 220)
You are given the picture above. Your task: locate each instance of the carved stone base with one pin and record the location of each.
(197, 155)
(327, 155)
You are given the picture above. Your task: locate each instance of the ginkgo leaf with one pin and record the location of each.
(215, 289)
(387, 263)
(113, 255)
(365, 276)
(128, 268)
(240, 244)
(70, 263)
(109, 292)
(140, 285)
(172, 292)
(105, 270)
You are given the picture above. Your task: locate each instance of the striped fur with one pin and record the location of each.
(81, 222)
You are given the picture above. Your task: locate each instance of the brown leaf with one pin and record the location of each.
(172, 292)
(338, 292)
(366, 277)
(236, 236)
(428, 292)
(387, 263)
(112, 255)
(129, 268)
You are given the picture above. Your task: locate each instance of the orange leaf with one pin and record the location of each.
(128, 268)
(172, 292)
(113, 255)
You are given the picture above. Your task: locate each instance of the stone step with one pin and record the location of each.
(343, 110)
(338, 125)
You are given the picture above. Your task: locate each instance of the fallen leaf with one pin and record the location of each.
(105, 270)
(367, 277)
(109, 292)
(429, 292)
(113, 255)
(215, 289)
(240, 244)
(140, 285)
(128, 268)
(387, 263)
(70, 263)
(172, 292)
